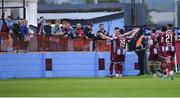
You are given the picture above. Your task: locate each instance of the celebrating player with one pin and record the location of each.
(169, 44)
(153, 57)
(118, 50)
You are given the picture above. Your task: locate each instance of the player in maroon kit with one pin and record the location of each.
(113, 54)
(169, 38)
(118, 50)
(162, 65)
(153, 57)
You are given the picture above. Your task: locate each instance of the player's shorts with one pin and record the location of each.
(169, 51)
(161, 50)
(4, 35)
(117, 58)
(153, 56)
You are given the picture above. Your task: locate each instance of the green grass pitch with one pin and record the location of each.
(144, 86)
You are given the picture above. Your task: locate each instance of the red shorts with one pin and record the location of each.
(169, 51)
(117, 58)
(4, 35)
(153, 56)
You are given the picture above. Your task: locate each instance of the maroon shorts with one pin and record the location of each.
(4, 35)
(117, 58)
(152, 55)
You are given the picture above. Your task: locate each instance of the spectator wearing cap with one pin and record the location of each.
(17, 37)
(89, 31)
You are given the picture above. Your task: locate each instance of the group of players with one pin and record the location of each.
(161, 49)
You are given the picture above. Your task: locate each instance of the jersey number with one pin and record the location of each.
(123, 43)
(168, 38)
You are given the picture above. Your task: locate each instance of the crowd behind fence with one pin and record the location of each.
(16, 36)
(42, 43)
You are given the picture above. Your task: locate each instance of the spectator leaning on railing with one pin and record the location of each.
(16, 35)
(89, 31)
(40, 34)
(48, 28)
(68, 30)
(102, 34)
(79, 32)
(56, 30)
(102, 30)
(24, 30)
(40, 26)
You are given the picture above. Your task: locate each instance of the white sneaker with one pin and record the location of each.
(117, 75)
(121, 75)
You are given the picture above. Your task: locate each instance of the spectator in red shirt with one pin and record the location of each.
(79, 32)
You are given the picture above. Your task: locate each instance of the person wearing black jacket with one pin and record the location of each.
(48, 35)
(140, 49)
(89, 31)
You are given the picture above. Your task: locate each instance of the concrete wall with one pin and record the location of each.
(64, 64)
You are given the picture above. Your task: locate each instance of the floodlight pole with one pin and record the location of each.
(132, 12)
(24, 9)
(2, 6)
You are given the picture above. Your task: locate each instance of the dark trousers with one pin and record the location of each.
(141, 58)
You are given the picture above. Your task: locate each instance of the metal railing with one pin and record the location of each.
(38, 43)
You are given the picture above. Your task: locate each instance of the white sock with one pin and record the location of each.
(171, 73)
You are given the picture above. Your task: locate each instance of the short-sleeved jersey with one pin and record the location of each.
(154, 45)
(160, 43)
(169, 40)
(118, 45)
(154, 39)
(169, 37)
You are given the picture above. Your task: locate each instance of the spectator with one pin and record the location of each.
(24, 33)
(10, 23)
(4, 33)
(40, 26)
(40, 32)
(56, 30)
(48, 33)
(102, 30)
(48, 28)
(101, 34)
(79, 32)
(68, 31)
(24, 28)
(89, 31)
(17, 37)
(63, 26)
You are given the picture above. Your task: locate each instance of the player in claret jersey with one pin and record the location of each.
(153, 57)
(162, 65)
(118, 50)
(113, 53)
(169, 38)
